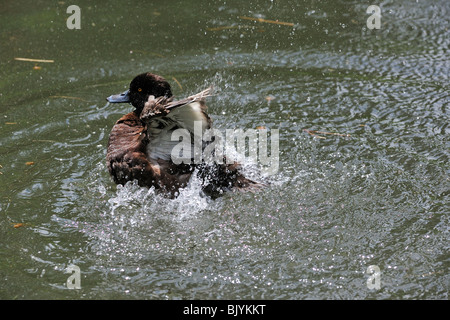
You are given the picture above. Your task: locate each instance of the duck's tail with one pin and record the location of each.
(244, 184)
(219, 178)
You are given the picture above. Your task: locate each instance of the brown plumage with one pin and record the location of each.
(127, 159)
(139, 148)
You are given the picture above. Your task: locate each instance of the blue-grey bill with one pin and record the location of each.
(120, 98)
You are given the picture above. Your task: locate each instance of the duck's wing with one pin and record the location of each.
(160, 106)
(196, 97)
(189, 114)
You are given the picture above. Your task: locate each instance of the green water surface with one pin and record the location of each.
(363, 178)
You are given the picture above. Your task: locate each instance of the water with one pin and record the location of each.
(375, 192)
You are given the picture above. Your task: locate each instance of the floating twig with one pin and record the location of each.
(313, 133)
(268, 21)
(178, 83)
(34, 60)
(229, 27)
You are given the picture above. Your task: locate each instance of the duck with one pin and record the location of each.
(140, 143)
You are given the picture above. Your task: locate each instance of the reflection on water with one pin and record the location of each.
(363, 174)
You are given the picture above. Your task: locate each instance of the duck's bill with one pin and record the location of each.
(120, 98)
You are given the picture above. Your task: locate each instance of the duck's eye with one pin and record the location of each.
(140, 89)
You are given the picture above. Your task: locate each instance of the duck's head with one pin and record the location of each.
(141, 88)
